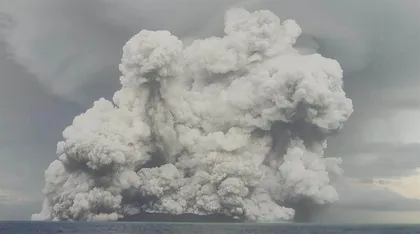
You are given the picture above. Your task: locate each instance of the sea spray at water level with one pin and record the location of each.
(235, 125)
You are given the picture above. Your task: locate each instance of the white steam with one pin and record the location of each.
(234, 125)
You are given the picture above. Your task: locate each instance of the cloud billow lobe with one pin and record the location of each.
(234, 125)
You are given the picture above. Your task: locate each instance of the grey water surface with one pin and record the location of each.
(196, 228)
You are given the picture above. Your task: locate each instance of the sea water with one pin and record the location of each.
(197, 228)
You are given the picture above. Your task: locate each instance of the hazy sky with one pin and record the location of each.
(58, 56)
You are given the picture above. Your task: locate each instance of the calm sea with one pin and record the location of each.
(197, 228)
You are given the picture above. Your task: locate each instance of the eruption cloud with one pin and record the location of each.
(234, 125)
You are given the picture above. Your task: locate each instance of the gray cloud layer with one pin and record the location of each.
(65, 55)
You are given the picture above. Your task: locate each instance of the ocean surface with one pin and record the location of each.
(197, 228)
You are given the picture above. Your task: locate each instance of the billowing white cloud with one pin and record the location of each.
(73, 48)
(234, 125)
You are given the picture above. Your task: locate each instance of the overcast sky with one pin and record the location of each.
(58, 56)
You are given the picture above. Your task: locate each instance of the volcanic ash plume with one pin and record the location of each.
(234, 125)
